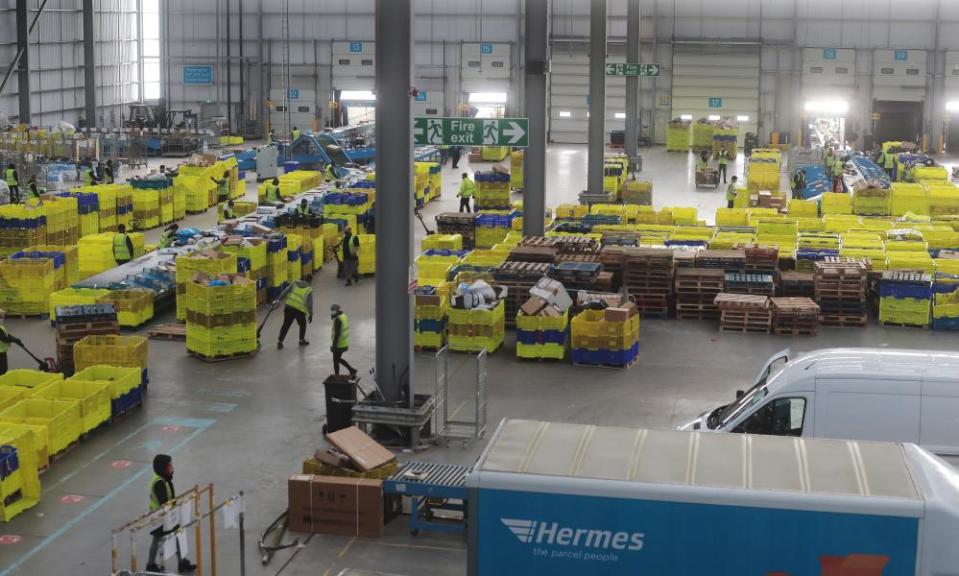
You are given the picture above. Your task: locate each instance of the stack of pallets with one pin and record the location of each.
(73, 323)
(797, 284)
(743, 313)
(762, 258)
(760, 283)
(577, 275)
(685, 258)
(533, 254)
(564, 244)
(648, 276)
(795, 316)
(696, 290)
(613, 259)
(841, 291)
(728, 260)
(458, 223)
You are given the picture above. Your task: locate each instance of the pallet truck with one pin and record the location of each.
(48, 364)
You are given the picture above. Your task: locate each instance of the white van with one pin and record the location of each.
(855, 393)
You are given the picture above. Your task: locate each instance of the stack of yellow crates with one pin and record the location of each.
(367, 253)
(74, 297)
(542, 336)
(571, 211)
(125, 206)
(94, 398)
(802, 208)
(89, 212)
(478, 328)
(253, 250)
(764, 170)
(434, 267)
(107, 203)
(193, 184)
(516, 174)
(60, 420)
(125, 384)
(134, 307)
(221, 317)
(147, 208)
(26, 284)
(908, 197)
(943, 199)
(731, 217)
(780, 233)
(606, 337)
(833, 203)
(492, 190)
(63, 220)
(211, 262)
(109, 350)
(872, 202)
(442, 242)
(431, 316)
(21, 226)
(95, 252)
(71, 258)
(277, 267)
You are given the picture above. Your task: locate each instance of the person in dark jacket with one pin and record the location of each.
(455, 153)
(351, 257)
(161, 492)
(6, 339)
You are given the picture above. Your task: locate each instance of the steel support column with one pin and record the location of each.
(394, 225)
(89, 66)
(632, 82)
(597, 95)
(23, 66)
(537, 67)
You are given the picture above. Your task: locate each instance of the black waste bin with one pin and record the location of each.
(340, 398)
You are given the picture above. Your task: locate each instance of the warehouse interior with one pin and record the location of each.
(600, 273)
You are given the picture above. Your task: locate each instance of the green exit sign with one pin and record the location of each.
(471, 131)
(632, 69)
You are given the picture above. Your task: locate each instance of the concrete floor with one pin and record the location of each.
(247, 424)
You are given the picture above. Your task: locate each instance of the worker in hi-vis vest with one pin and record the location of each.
(161, 492)
(340, 339)
(299, 307)
(122, 245)
(13, 183)
(731, 192)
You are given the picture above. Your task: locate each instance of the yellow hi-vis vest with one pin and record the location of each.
(154, 503)
(120, 249)
(344, 342)
(11, 177)
(4, 346)
(731, 192)
(272, 193)
(298, 297)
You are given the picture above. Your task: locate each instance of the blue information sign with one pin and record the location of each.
(294, 93)
(829, 54)
(486, 48)
(902, 55)
(715, 102)
(356, 47)
(198, 75)
(421, 96)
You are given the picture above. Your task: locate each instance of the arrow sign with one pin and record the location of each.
(471, 131)
(515, 132)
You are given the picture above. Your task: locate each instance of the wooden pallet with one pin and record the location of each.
(744, 328)
(903, 324)
(613, 366)
(168, 332)
(692, 315)
(843, 320)
(224, 358)
(782, 331)
(739, 302)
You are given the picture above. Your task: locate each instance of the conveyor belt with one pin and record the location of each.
(432, 474)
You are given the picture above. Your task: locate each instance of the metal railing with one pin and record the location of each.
(460, 393)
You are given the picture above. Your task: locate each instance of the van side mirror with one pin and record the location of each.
(739, 394)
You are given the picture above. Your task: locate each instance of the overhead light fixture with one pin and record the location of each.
(565, 113)
(742, 118)
(835, 107)
(488, 97)
(685, 116)
(357, 95)
(952, 106)
(713, 117)
(620, 115)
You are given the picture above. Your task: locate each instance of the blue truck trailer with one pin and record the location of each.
(571, 499)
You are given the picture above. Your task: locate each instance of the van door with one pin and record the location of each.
(939, 421)
(782, 416)
(868, 409)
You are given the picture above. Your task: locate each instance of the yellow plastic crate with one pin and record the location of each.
(134, 307)
(442, 242)
(28, 379)
(26, 479)
(94, 398)
(36, 436)
(120, 379)
(130, 351)
(10, 395)
(61, 418)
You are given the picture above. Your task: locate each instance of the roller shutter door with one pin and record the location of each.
(569, 99)
(719, 79)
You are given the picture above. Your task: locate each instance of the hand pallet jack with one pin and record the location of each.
(48, 364)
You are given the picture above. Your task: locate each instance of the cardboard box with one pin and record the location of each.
(620, 313)
(552, 292)
(347, 506)
(364, 451)
(533, 306)
(299, 507)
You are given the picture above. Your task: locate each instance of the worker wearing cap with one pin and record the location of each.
(299, 307)
(13, 183)
(731, 192)
(6, 339)
(303, 208)
(467, 189)
(122, 246)
(273, 192)
(168, 236)
(340, 339)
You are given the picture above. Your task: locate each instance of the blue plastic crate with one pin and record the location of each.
(541, 336)
(607, 357)
(905, 290)
(429, 325)
(128, 401)
(945, 323)
(9, 460)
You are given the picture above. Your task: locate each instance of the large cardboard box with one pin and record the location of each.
(299, 508)
(347, 506)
